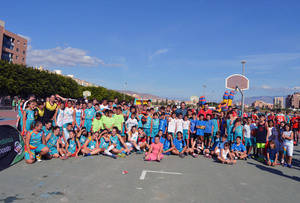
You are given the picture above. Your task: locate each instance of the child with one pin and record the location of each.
(73, 145)
(193, 122)
(208, 131)
(172, 124)
(78, 116)
(288, 137)
(155, 151)
(238, 129)
(247, 136)
(163, 124)
(131, 121)
(52, 142)
(272, 154)
(154, 126)
(105, 144)
(120, 147)
(35, 143)
(186, 129)
(88, 116)
(28, 117)
(47, 128)
(97, 124)
(225, 157)
(142, 139)
(180, 146)
(238, 149)
(179, 124)
(200, 125)
(91, 146)
(133, 138)
(167, 142)
(229, 127)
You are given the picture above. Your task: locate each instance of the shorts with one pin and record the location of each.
(185, 134)
(260, 145)
(194, 136)
(147, 131)
(154, 132)
(35, 151)
(53, 150)
(288, 148)
(248, 142)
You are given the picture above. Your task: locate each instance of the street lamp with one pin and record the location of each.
(243, 99)
(243, 63)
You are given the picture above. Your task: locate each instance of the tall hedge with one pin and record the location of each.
(19, 80)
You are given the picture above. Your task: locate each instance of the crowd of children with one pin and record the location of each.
(62, 128)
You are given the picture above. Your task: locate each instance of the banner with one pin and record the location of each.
(11, 146)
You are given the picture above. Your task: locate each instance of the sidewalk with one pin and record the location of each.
(8, 117)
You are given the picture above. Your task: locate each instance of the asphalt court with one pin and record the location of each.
(100, 178)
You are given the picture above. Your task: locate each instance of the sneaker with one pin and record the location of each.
(289, 165)
(89, 154)
(38, 158)
(121, 155)
(195, 155)
(285, 165)
(114, 156)
(181, 155)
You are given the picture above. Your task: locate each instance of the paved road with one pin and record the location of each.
(100, 179)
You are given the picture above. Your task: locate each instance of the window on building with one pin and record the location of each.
(23, 59)
(23, 51)
(17, 49)
(17, 57)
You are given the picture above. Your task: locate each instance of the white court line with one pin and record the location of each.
(144, 172)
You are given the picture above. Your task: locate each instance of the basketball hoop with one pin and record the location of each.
(237, 81)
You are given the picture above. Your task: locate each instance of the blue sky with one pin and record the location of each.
(167, 48)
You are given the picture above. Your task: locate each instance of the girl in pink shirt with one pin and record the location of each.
(155, 151)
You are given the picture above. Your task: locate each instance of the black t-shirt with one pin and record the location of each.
(261, 133)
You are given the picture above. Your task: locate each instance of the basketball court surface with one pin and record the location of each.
(100, 179)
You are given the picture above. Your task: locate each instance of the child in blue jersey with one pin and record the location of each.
(52, 142)
(35, 143)
(78, 116)
(120, 146)
(208, 131)
(238, 150)
(215, 122)
(47, 128)
(82, 135)
(229, 127)
(200, 126)
(105, 144)
(181, 148)
(163, 123)
(147, 125)
(215, 150)
(167, 142)
(28, 116)
(73, 145)
(88, 116)
(91, 145)
(193, 129)
(272, 154)
(154, 125)
(238, 129)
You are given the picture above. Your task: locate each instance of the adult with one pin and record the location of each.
(50, 109)
(182, 110)
(205, 111)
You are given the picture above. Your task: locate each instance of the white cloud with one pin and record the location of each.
(266, 87)
(158, 52)
(63, 57)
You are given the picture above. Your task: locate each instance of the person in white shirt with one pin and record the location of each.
(132, 121)
(247, 136)
(186, 129)
(69, 114)
(179, 124)
(172, 124)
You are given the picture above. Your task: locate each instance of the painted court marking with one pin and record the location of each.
(144, 172)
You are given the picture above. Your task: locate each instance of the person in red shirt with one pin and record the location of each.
(205, 111)
(295, 128)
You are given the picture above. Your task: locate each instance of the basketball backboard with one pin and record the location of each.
(237, 80)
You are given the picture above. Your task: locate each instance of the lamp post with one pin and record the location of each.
(243, 100)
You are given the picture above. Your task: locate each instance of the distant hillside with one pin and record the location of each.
(141, 95)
